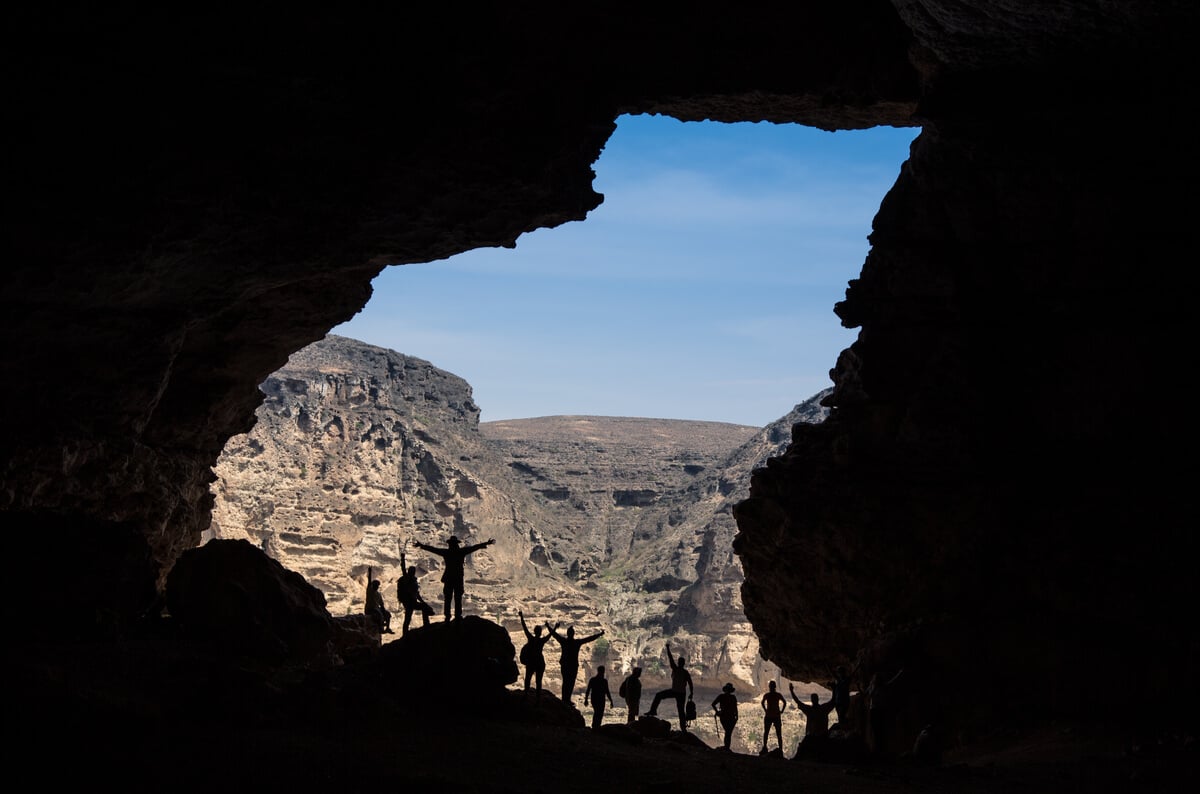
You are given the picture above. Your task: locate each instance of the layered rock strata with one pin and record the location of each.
(620, 524)
(191, 201)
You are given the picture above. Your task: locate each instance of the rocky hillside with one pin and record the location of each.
(618, 524)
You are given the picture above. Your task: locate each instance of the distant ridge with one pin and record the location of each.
(615, 523)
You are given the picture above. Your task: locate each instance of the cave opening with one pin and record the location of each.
(701, 288)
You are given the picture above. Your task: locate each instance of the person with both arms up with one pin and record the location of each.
(452, 578)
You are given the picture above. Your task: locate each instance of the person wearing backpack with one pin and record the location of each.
(408, 592)
(532, 655)
(631, 692)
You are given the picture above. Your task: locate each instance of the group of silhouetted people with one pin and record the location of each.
(598, 693)
(534, 659)
(773, 705)
(408, 589)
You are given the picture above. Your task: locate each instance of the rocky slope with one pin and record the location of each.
(620, 524)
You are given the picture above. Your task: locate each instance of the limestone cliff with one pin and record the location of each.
(620, 524)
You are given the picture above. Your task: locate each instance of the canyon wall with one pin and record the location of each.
(620, 524)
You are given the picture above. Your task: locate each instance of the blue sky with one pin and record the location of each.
(701, 288)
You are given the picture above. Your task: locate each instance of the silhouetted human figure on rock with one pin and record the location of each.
(374, 605)
(631, 691)
(840, 692)
(408, 592)
(927, 749)
(569, 658)
(878, 705)
(681, 684)
(726, 707)
(452, 577)
(596, 692)
(532, 654)
(773, 705)
(816, 720)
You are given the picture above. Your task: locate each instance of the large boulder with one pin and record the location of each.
(465, 663)
(231, 595)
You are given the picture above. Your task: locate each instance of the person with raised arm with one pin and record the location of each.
(816, 721)
(681, 684)
(569, 658)
(408, 592)
(452, 577)
(532, 654)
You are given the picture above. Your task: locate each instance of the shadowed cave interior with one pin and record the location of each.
(997, 503)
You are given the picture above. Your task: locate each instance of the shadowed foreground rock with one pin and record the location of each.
(996, 497)
(231, 595)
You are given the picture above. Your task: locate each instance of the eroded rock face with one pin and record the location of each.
(193, 202)
(620, 524)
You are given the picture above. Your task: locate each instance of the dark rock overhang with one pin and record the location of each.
(194, 198)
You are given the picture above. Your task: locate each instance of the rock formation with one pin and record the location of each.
(997, 492)
(621, 524)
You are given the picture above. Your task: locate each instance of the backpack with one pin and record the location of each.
(526, 653)
(690, 712)
(621, 689)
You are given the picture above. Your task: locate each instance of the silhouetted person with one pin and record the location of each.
(374, 605)
(726, 706)
(408, 592)
(631, 691)
(773, 705)
(816, 720)
(878, 703)
(452, 577)
(569, 658)
(532, 655)
(840, 692)
(681, 684)
(927, 749)
(596, 692)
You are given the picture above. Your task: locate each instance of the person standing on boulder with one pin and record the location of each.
(532, 654)
(452, 577)
(840, 687)
(597, 690)
(569, 658)
(408, 591)
(631, 691)
(681, 684)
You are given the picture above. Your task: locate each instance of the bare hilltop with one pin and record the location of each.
(602, 523)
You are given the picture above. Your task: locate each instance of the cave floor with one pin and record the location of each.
(481, 756)
(82, 719)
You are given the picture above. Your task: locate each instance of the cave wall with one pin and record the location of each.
(993, 506)
(194, 197)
